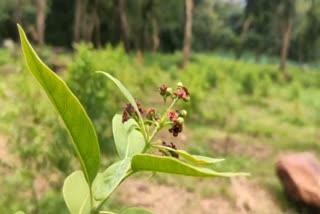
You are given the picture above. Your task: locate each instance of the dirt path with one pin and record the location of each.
(162, 199)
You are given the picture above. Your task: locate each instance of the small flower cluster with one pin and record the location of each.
(153, 121)
(129, 111)
(177, 118)
(181, 92)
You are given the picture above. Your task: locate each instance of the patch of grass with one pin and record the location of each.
(248, 104)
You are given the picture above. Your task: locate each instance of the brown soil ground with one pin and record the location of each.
(163, 199)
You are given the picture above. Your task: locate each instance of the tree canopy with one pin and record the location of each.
(262, 27)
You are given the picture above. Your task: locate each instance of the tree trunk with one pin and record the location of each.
(96, 24)
(33, 32)
(245, 27)
(155, 35)
(41, 20)
(97, 32)
(285, 45)
(18, 11)
(187, 32)
(146, 17)
(78, 14)
(88, 30)
(124, 23)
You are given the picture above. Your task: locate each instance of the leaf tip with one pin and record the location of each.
(20, 29)
(103, 72)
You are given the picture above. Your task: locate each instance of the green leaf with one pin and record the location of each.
(109, 180)
(136, 143)
(105, 212)
(74, 116)
(124, 91)
(128, 140)
(195, 159)
(147, 162)
(19, 212)
(76, 193)
(135, 210)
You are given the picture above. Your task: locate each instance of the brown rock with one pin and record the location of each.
(300, 176)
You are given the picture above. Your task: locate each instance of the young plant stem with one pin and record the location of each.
(143, 129)
(91, 198)
(106, 212)
(162, 121)
(129, 173)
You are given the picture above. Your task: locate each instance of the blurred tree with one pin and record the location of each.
(171, 18)
(256, 32)
(6, 8)
(155, 28)
(59, 23)
(215, 25)
(18, 11)
(187, 32)
(285, 11)
(239, 26)
(124, 23)
(41, 20)
(305, 39)
(78, 14)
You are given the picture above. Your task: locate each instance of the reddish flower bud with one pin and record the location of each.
(125, 116)
(172, 115)
(129, 111)
(183, 93)
(141, 110)
(151, 114)
(163, 90)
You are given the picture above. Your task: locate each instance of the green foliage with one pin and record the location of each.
(135, 211)
(5, 56)
(128, 140)
(249, 82)
(125, 92)
(137, 138)
(110, 179)
(92, 90)
(295, 91)
(153, 163)
(40, 141)
(217, 25)
(77, 201)
(72, 113)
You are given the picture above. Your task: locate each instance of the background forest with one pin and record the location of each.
(252, 68)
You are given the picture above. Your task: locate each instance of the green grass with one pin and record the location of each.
(239, 110)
